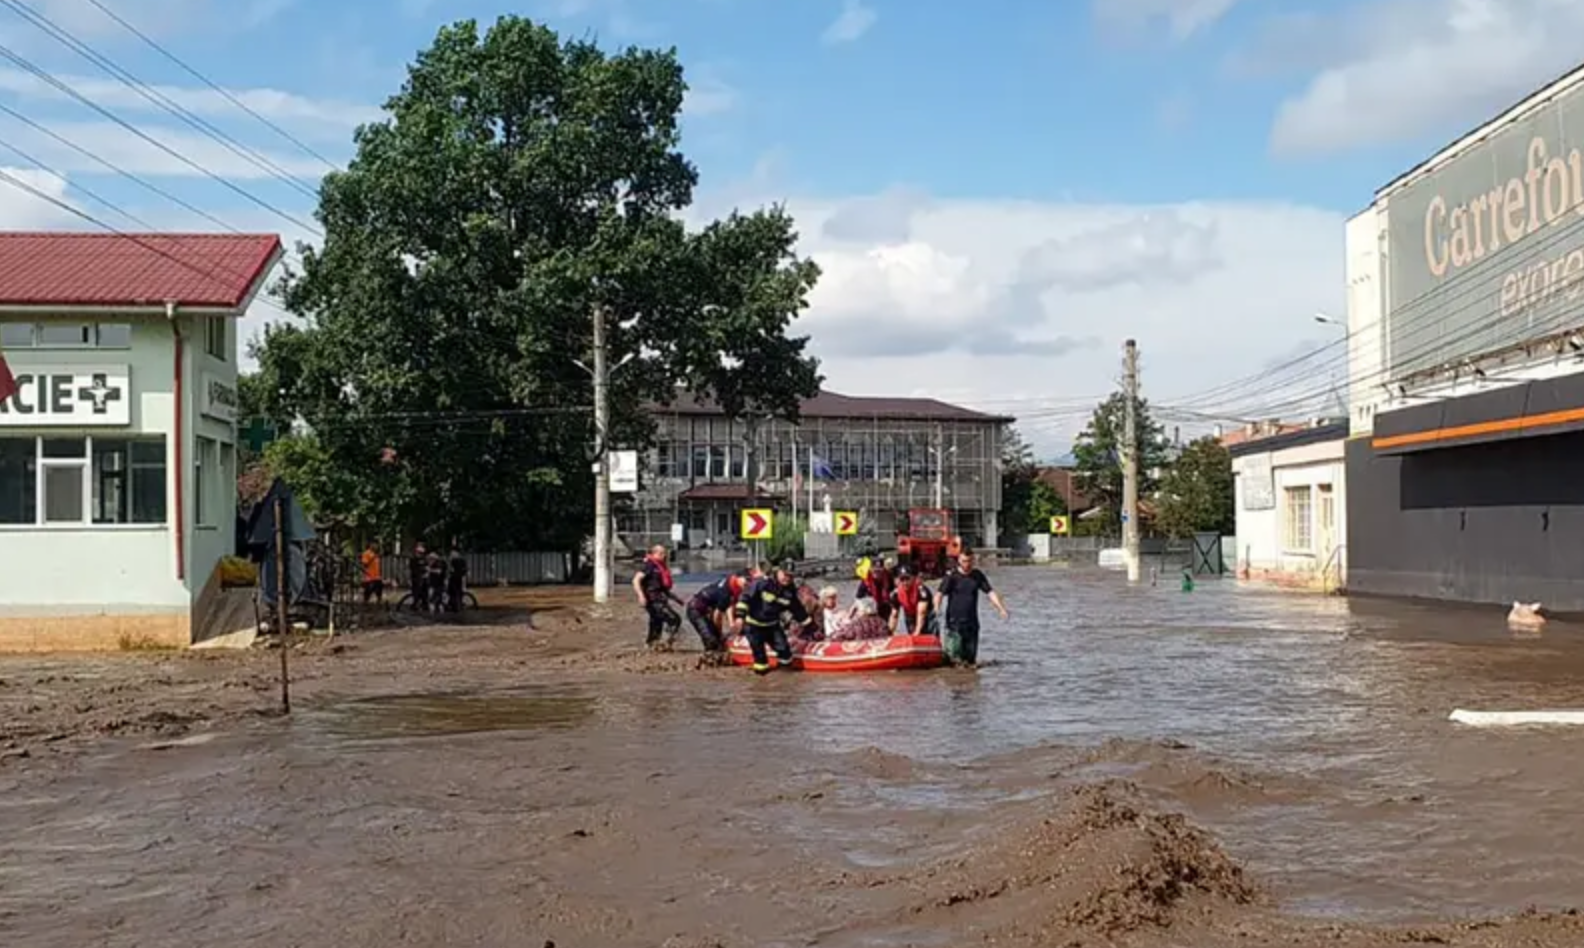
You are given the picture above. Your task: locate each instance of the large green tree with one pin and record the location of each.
(518, 183)
(1027, 503)
(1196, 494)
(1097, 455)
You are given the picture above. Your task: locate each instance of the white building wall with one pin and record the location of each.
(1262, 548)
(1366, 323)
(127, 568)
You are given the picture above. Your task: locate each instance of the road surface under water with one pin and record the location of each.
(600, 806)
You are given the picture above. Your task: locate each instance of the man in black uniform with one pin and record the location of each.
(763, 608)
(435, 579)
(710, 608)
(961, 589)
(652, 585)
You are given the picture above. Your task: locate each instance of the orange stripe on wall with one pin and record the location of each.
(1500, 426)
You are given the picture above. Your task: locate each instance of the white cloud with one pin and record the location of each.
(1023, 307)
(23, 209)
(709, 97)
(850, 24)
(132, 153)
(283, 108)
(1395, 70)
(1183, 18)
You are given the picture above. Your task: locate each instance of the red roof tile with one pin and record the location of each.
(66, 269)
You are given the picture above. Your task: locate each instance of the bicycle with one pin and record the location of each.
(408, 604)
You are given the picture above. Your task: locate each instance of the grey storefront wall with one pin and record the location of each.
(883, 466)
(1477, 499)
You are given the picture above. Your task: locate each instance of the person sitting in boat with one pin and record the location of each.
(857, 622)
(875, 584)
(913, 605)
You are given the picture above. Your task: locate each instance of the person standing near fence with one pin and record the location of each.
(456, 578)
(373, 575)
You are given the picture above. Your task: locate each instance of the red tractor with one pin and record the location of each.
(928, 546)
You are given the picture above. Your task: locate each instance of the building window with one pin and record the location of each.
(114, 335)
(739, 463)
(215, 337)
(203, 491)
(717, 468)
(63, 478)
(1326, 515)
(700, 461)
(65, 335)
(665, 460)
(128, 481)
(17, 335)
(18, 480)
(82, 480)
(1299, 532)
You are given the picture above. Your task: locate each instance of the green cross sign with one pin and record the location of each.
(257, 433)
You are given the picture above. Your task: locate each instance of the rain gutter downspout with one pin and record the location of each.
(179, 395)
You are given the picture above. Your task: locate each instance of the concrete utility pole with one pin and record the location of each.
(1130, 461)
(602, 504)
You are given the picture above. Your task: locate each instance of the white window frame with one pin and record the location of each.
(1325, 509)
(84, 465)
(1301, 545)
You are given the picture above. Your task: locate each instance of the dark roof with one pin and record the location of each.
(1319, 434)
(1400, 179)
(67, 269)
(836, 405)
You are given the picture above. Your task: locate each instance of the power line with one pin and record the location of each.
(21, 61)
(222, 91)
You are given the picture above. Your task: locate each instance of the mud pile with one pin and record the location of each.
(1101, 862)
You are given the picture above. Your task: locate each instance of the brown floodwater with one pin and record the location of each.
(619, 800)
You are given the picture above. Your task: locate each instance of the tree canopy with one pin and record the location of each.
(1027, 503)
(518, 182)
(1097, 455)
(1196, 495)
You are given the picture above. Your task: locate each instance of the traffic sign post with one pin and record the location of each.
(758, 523)
(1059, 526)
(846, 523)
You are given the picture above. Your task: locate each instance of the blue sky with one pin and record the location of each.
(999, 193)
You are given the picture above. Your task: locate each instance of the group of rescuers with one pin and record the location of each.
(763, 601)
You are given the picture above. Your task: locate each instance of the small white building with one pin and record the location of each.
(118, 449)
(1290, 507)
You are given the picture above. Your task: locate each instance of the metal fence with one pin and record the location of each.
(494, 569)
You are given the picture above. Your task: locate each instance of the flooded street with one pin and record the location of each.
(496, 786)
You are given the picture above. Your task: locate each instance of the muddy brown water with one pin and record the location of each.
(582, 803)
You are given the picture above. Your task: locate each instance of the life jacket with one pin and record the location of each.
(908, 594)
(878, 582)
(658, 577)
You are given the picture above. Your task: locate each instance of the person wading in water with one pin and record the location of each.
(961, 589)
(762, 609)
(652, 585)
(708, 612)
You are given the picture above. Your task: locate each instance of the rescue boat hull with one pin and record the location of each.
(897, 653)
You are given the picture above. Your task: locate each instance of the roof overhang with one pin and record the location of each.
(1538, 407)
(113, 309)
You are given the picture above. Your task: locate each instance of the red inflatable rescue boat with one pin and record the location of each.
(896, 653)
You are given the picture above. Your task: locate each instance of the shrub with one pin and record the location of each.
(237, 573)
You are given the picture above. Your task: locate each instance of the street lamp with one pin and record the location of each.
(1329, 320)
